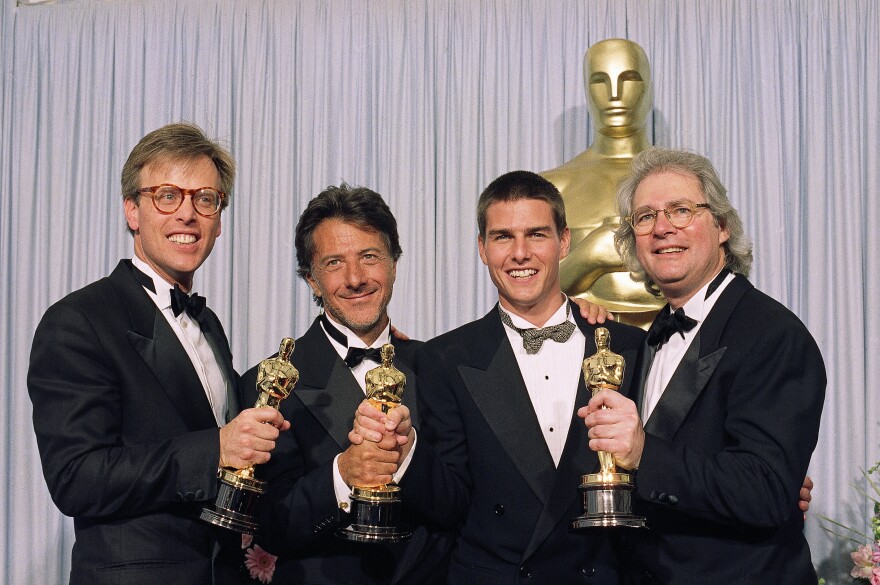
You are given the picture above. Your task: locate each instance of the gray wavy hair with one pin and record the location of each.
(737, 249)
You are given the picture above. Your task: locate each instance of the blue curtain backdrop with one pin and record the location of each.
(426, 102)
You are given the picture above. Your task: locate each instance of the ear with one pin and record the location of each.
(132, 214)
(565, 243)
(482, 249)
(724, 233)
(316, 290)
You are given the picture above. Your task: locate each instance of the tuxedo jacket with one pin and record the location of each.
(727, 449)
(127, 439)
(482, 463)
(300, 513)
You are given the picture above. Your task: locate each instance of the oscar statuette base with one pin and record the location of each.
(607, 502)
(375, 516)
(236, 502)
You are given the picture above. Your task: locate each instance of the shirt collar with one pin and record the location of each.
(162, 296)
(353, 339)
(699, 306)
(555, 319)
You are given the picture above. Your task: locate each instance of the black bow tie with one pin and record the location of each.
(356, 355)
(668, 324)
(533, 338)
(180, 301)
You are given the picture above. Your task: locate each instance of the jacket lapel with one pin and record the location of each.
(326, 386)
(404, 355)
(696, 368)
(498, 389)
(155, 341)
(213, 332)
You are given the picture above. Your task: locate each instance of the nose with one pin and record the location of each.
(520, 251)
(614, 86)
(662, 225)
(187, 209)
(354, 274)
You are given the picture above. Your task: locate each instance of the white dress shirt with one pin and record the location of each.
(552, 376)
(667, 359)
(197, 348)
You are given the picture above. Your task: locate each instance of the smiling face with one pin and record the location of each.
(176, 244)
(353, 273)
(522, 250)
(680, 261)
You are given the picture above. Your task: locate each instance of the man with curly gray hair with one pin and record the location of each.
(728, 397)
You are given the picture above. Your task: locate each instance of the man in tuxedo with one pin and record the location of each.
(133, 387)
(730, 389)
(501, 452)
(347, 247)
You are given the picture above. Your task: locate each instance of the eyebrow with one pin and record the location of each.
(360, 252)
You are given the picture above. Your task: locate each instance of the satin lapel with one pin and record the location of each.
(155, 341)
(698, 364)
(501, 396)
(213, 332)
(326, 386)
(636, 389)
(679, 395)
(403, 357)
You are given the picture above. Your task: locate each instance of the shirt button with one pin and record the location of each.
(525, 572)
(499, 510)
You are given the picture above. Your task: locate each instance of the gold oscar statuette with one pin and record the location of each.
(375, 510)
(607, 494)
(239, 492)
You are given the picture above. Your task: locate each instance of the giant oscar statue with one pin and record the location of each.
(617, 79)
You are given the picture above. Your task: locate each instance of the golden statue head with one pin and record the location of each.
(617, 80)
(387, 353)
(601, 336)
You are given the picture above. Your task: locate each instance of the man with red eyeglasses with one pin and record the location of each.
(133, 387)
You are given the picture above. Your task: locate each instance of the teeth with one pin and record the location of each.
(182, 238)
(523, 273)
(670, 250)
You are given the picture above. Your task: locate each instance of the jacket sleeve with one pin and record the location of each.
(76, 390)
(767, 392)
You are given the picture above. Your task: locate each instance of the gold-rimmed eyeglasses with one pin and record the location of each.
(168, 198)
(679, 213)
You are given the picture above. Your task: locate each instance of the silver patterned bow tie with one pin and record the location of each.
(534, 337)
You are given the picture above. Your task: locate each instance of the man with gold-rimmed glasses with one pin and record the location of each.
(133, 387)
(728, 397)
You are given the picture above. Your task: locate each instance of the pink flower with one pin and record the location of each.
(875, 576)
(862, 557)
(246, 540)
(260, 564)
(876, 552)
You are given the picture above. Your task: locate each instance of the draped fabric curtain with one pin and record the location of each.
(426, 102)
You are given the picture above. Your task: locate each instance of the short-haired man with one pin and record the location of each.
(133, 388)
(347, 248)
(731, 392)
(501, 452)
